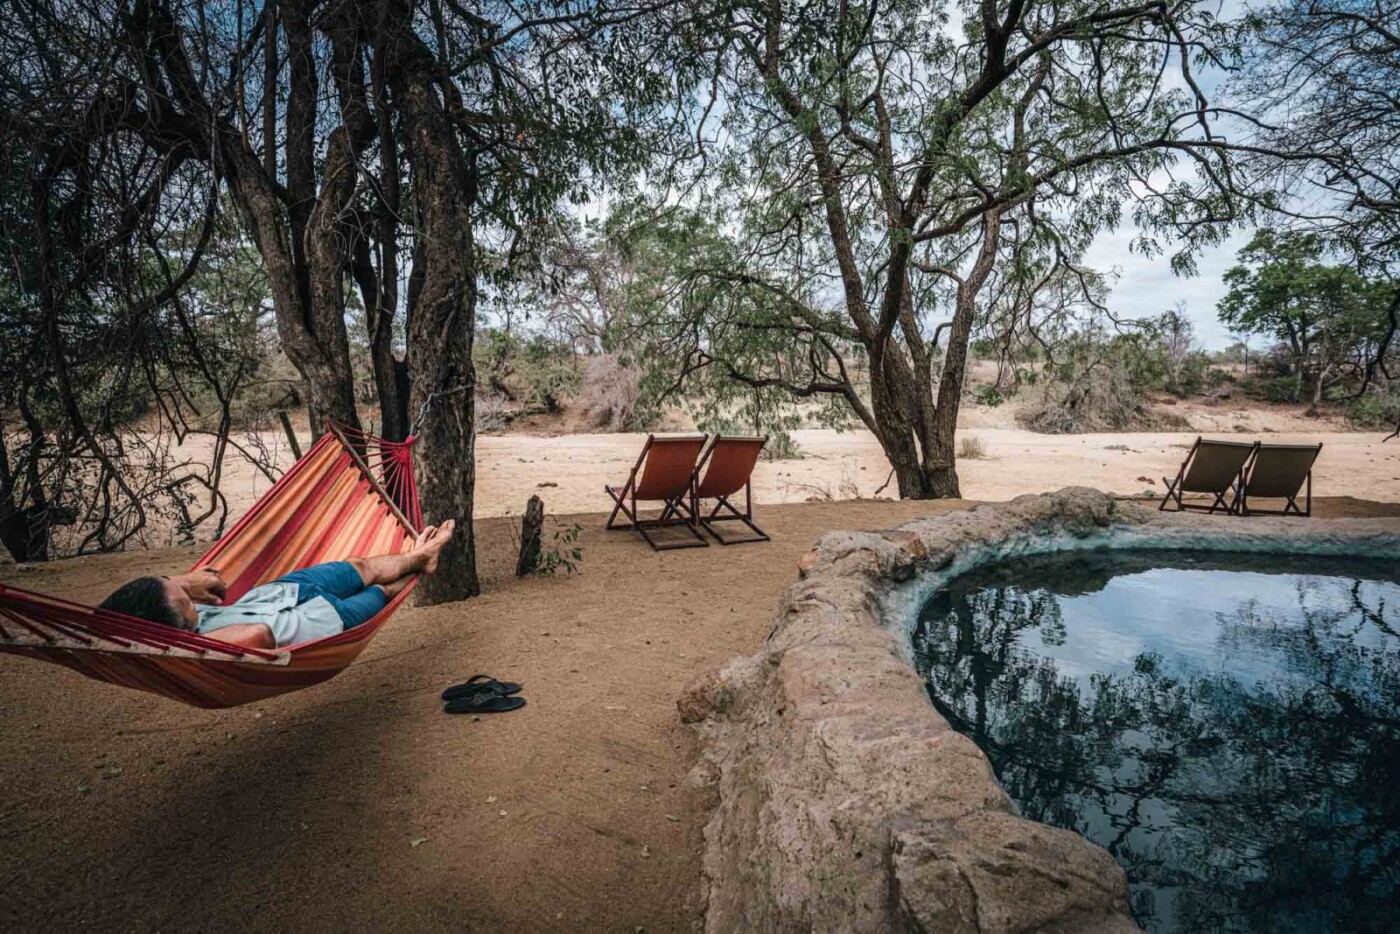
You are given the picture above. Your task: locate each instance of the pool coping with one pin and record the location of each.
(843, 801)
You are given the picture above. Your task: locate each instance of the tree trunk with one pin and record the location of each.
(894, 416)
(379, 282)
(290, 432)
(940, 453)
(940, 458)
(442, 313)
(1318, 383)
(24, 530)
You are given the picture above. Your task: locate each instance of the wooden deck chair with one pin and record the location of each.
(1213, 467)
(666, 467)
(728, 468)
(1280, 471)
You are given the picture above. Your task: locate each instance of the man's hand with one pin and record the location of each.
(204, 585)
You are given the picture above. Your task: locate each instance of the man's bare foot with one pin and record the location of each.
(431, 543)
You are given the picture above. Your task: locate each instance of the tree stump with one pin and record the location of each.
(530, 531)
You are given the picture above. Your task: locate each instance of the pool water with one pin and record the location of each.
(1228, 727)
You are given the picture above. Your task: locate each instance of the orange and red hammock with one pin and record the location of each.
(351, 494)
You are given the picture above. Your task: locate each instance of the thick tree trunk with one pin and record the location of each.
(895, 408)
(442, 314)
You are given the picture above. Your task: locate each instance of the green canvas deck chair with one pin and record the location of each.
(1279, 471)
(724, 470)
(1213, 468)
(662, 474)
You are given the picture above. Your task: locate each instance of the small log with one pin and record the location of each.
(531, 525)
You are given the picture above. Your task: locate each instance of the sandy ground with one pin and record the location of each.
(357, 804)
(568, 471)
(851, 465)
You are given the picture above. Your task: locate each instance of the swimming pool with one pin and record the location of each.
(1227, 727)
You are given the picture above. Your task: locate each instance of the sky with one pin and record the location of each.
(1147, 286)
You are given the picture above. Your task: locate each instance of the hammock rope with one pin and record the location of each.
(350, 494)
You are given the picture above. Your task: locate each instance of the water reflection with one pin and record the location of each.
(1230, 732)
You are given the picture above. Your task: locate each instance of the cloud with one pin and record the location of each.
(1147, 286)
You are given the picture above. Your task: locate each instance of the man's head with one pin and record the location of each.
(158, 599)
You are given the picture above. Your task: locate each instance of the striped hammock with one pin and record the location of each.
(351, 494)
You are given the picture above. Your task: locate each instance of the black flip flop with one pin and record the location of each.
(477, 684)
(482, 702)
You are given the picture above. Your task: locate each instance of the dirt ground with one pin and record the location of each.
(357, 804)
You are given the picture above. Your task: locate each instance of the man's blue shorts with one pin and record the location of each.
(341, 586)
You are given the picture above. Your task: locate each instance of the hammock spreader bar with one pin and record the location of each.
(350, 494)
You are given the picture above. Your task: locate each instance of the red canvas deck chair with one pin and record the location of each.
(662, 474)
(728, 468)
(1212, 467)
(1279, 471)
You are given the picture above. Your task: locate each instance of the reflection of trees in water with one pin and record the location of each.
(1231, 805)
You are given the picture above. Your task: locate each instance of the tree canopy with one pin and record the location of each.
(755, 204)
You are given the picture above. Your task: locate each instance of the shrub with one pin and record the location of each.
(971, 448)
(1099, 385)
(490, 411)
(548, 372)
(1287, 388)
(611, 395)
(1375, 412)
(564, 552)
(782, 446)
(990, 395)
(537, 371)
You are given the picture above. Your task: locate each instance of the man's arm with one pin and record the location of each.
(248, 635)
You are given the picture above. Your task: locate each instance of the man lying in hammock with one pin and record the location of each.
(311, 603)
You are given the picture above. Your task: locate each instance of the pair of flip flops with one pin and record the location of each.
(483, 694)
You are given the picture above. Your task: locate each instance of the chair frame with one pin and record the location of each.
(1174, 492)
(677, 511)
(723, 503)
(1290, 507)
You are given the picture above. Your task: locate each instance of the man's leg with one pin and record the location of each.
(386, 569)
(361, 607)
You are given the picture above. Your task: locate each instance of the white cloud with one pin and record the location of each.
(1147, 286)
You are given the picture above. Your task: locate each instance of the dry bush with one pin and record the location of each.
(611, 395)
(490, 411)
(782, 446)
(1100, 389)
(971, 448)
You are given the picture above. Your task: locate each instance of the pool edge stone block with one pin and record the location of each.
(842, 800)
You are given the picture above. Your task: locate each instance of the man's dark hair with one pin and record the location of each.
(145, 598)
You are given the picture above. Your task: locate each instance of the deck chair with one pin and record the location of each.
(1212, 467)
(662, 474)
(1280, 471)
(728, 468)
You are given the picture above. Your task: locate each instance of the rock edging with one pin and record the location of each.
(845, 802)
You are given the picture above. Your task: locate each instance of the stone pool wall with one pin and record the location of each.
(844, 802)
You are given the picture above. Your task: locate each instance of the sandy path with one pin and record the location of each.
(122, 811)
(569, 471)
(847, 465)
